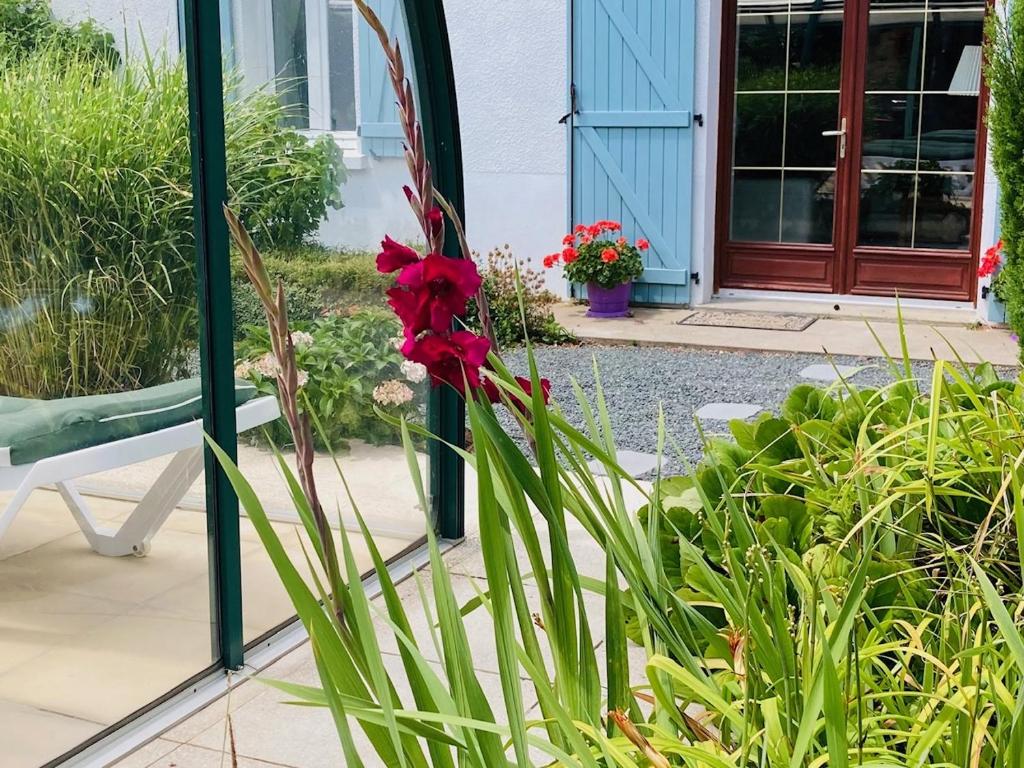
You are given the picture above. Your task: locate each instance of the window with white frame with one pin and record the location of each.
(308, 50)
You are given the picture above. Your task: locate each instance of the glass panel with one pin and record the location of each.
(943, 218)
(759, 130)
(342, 65)
(953, 50)
(815, 51)
(887, 209)
(890, 131)
(291, 59)
(807, 116)
(895, 45)
(321, 241)
(761, 52)
(98, 346)
(755, 205)
(949, 132)
(808, 206)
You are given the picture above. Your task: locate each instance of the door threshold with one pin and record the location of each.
(177, 709)
(849, 307)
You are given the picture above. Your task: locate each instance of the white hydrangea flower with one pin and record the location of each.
(244, 369)
(302, 339)
(392, 392)
(267, 366)
(397, 342)
(414, 372)
(302, 377)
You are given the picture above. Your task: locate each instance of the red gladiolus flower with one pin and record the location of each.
(569, 255)
(433, 291)
(609, 255)
(550, 260)
(493, 393)
(453, 359)
(568, 239)
(394, 256)
(436, 220)
(642, 244)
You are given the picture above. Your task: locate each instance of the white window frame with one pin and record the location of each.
(254, 36)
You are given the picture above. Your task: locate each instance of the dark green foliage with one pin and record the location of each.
(1005, 76)
(27, 26)
(345, 358)
(498, 270)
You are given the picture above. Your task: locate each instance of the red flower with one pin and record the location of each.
(580, 229)
(568, 239)
(569, 255)
(991, 261)
(643, 244)
(609, 255)
(436, 220)
(550, 260)
(433, 291)
(493, 394)
(394, 256)
(453, 359)
(586, 239)
(621, 241)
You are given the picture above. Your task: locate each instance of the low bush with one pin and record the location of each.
(498, 270)
(97, 290)
(27, 26)
(352, 368)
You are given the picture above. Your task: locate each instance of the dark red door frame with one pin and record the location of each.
(842, 267)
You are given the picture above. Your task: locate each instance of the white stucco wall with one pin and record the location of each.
(155, 21)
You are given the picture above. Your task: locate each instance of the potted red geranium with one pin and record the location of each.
(605, 262)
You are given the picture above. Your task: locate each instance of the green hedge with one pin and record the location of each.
(1005, 76)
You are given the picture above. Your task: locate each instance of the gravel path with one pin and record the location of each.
(637, 380)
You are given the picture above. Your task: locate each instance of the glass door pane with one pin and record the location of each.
(328, 200)
(922, 78)
(104, 577)
(787, 87)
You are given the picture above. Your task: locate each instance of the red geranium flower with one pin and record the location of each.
(569, 255)
(642, 244)
(609, 255)
(568, 239)
(621, 241)
(991, 260)
(433, 291)
(394, 256)
(453, 359)
(580, 229)
(550, 260)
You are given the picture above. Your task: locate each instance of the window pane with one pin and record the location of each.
(759, 130)
(887, 209)
(755, 205)
(761, 52)
(808, 115)
(895, 45)
(943, 211)
(815, 51)
(952, 58)
(808, 206)
(890, 131)
(341, 59)
(949, 132)
(291, 59)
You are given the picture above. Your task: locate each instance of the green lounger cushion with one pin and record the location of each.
(31, 430)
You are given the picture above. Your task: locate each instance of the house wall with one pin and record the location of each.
(130, 21)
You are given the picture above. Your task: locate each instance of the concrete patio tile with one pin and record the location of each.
(828, 372)
(727, 411)
(31, 737)
(634, 463)
(147, 755)
(190, 756)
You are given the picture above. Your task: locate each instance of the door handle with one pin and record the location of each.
(841, 133)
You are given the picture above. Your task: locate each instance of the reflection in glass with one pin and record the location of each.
(756, 203)
(807, 116)
(808, 206)
(290, 59)
(943, 218)
(759, 129)
(761, 53)
(895, 46)
(890, 131)
(341, 64)
(953, 43)
(949, 131)
(887, 209)
(815, 51)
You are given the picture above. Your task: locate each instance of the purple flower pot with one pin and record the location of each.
(609, 302)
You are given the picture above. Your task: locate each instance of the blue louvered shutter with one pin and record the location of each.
(378, 117)
(632, 138)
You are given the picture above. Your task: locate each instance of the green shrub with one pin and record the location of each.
(346, 358)
(498, 270)
(26, 26)
(97, 288)
(1004, 73)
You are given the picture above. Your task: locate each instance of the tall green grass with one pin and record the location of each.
(97, 283)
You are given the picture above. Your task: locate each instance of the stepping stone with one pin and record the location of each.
(727, 411)
(826, 372)
(634, 463)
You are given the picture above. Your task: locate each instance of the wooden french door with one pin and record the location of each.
(852, 137)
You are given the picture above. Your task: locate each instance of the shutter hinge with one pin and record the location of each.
(695, 278)
(699, 119)
(573, 105)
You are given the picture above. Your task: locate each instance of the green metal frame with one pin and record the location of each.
(432, 62)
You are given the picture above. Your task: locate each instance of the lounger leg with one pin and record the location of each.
(134, 535)
(14, 506)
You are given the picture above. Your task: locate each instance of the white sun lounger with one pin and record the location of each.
(184, 440)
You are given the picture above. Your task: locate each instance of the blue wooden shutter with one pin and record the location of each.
(632, 142)
(378, 116)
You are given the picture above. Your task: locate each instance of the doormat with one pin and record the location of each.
(762, 321)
